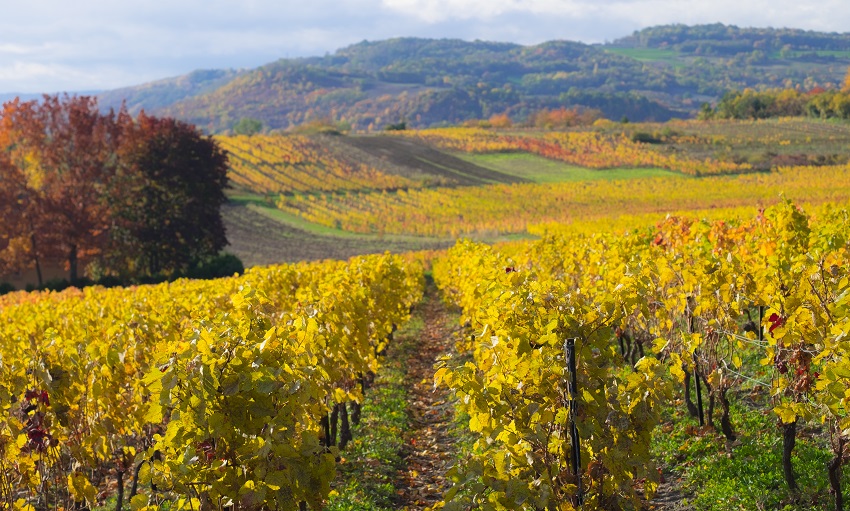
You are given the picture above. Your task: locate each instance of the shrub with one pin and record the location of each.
(222, 265)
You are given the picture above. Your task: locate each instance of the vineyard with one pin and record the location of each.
(179, 395)
(685, 304)
(656, 332)
(244, 392)
(653, 168)
(585, 148)
(294, 163)
(515, 208)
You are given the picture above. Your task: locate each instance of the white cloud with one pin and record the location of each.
(439, 10)
(95, 44)
(829, 15)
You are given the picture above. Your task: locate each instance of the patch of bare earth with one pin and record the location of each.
(669, 497)
(429, 445)
(259, 240)
(428, 451)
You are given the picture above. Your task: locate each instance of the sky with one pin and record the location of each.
(49, 46)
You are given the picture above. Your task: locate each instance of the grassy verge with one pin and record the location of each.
(246, 198)
(369, 463)
(542, 170)
(646, 54)
(751, 477)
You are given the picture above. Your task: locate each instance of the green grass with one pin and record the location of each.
(646, 54)
(841, 54)
(752, 477)
(365, 479)
(245, 198)
(299, 223)
(542, 170)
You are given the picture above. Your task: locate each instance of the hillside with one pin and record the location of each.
(655, 74)
(163, 93)
(426, 82)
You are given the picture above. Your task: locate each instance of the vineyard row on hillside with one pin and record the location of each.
(274, 164)
(194, 394)
(515, 208)
(654, 309)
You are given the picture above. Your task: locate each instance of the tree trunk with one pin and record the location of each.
(345, 429)
(326, 429)
(834, 470)
(38, 272)
(119, 496)
(334, 423)
(72, 263)
(355, 413)
(622, 346)
(725, 423)
(35, 257)
(699, 392)
(789, 439)
(135, 486)
(692, 408)
(708, 391)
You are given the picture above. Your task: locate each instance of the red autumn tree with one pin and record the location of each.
(16, 243)
(78, 158)
(24, 227)
(176, 178)
(139, 196)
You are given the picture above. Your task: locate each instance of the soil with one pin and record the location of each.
(429, 445)
(669, 497)
(413, 158)
(259, 240)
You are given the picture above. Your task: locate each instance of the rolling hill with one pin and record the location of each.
(654, 74)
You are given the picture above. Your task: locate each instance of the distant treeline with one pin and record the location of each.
(751, 104)
(727, 40)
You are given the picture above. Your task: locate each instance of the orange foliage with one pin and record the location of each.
(564, 117)
(500, 121)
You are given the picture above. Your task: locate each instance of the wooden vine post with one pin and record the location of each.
(572, 389)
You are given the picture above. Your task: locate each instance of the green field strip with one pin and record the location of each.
(646, 54)
(543, 170)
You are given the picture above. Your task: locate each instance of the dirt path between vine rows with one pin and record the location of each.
(429, 449)
(428, 445)
(669, 497)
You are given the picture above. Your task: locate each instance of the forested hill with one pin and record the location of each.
(654, 74)
(426, 82)
(729, 40)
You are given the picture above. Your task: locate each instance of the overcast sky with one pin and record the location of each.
(86, 45)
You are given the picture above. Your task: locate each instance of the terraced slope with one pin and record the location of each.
(420, 158)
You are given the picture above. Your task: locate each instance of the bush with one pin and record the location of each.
(643, 137)
(5, 288)
(399, 126)
(56, 285)
(110, 281)
(222, 265)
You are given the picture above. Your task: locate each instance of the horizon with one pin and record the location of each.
(98, 46)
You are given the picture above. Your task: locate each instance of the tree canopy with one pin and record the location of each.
(133, 196)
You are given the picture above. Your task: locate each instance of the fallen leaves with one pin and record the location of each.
(429, 444)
